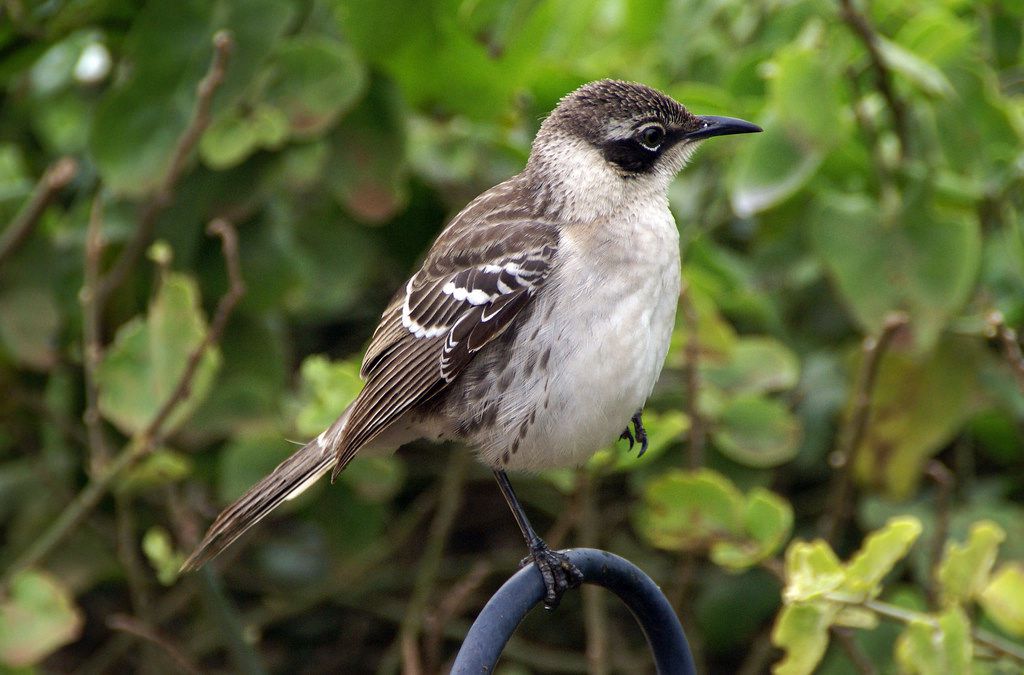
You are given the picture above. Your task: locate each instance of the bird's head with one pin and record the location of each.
(623, 133)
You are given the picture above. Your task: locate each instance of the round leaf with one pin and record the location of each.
(757, 432)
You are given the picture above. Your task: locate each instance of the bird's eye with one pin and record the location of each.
(651, 136)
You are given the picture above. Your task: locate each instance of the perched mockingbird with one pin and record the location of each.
(540, 319)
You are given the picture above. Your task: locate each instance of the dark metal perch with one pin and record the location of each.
(521, 593)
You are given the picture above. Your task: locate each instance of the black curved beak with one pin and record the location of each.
(713, 125)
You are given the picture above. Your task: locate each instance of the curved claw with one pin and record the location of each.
(558, 572)
(627, 436)
(641, 433)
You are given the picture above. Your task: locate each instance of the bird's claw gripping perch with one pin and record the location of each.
(558, 572)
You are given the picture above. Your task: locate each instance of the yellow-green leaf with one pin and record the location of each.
(141, 369)
(163, 556)
(37, 616)
(328, 387)
(159, 468)
(1003, 598)
(757, 365)
(767, 522)
(687, 510)
(944, 648)
(756, 431)
(879, 553)
(802, 632)
(812, 569)
(965, 568)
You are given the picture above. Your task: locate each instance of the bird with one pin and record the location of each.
(539, 321)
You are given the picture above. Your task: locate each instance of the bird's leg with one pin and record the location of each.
(641, 433)
(558, 572)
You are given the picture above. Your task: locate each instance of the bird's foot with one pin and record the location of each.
(641, 433)
(557, 570)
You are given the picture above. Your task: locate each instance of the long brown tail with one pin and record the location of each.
(287, 481)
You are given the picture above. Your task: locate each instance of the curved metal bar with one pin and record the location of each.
(506, 608)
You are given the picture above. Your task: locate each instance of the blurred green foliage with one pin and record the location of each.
(844, 365)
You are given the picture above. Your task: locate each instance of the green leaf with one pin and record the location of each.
(806, 97)
(757, 365)
(689, 510)
(148, 357)
(716, 337)
(802, 632)
(767, 523)
(923, 262)
(768, 519)
(812, 569)
(879, 554)
(944, 648)
(964, 570)
(37, 616)
(1003, 598)
(923, 75)
(236, 135)
(367, 167)
(165, 559)
(328, 388)
(246, 460)
(169, 49)
(15, 182)
(757, 432)
(770, 168)
(984, 153)
(29, 322)
(435, 61)
(905, 431)
(375, 479)
(155, 470)
(313, 80)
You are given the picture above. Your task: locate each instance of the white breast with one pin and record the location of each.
(610, 310)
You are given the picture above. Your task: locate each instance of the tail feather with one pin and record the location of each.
(290, 479)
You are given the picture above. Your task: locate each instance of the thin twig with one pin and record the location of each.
(862, 27)
(882, 169)
(450, 606)
(995, 643)
(944, 482)
(92, 329)
(539, 657)
(567, 519)
(430, 563)
(858, 658)
(1010, 344)
(999, 646)
(128, 556)
(136, 578)
(226, 618)
(205, 90)
(143, 442)
(758, 654)
(680, 594)
(131, 625)
(698, 426)
(595, 613)
(852, 435)
(58, 175)
(227, 304)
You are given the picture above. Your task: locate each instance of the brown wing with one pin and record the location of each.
(480, 273)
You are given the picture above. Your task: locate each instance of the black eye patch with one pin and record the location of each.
(629, 155)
